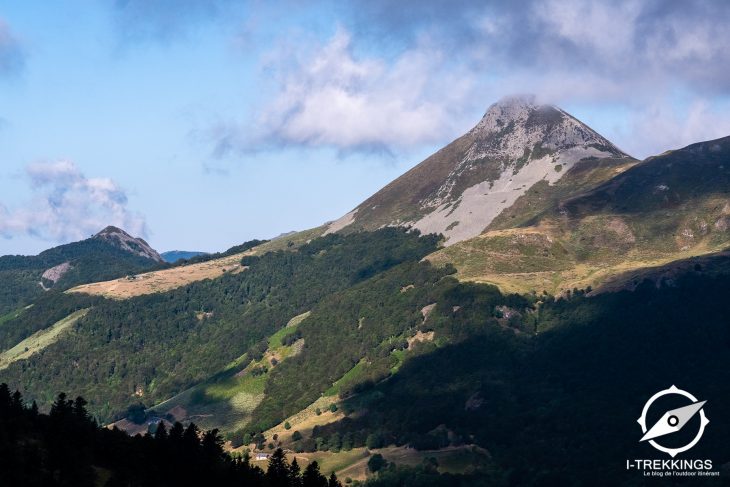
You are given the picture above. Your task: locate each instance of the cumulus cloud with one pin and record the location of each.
(660, 127)
(12, 57)
(333, 97)
(632, 39)
(68, 206)
(448, 59)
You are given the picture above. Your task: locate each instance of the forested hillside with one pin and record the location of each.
(87, 261)
(561, 404)
(152, 347)
(369, 331)
(411, 356)
(47, 310)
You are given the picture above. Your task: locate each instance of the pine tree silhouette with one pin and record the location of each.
(333, 482)
(67, 448)
(295, 474)
(312, 477)
(161, 432)
(277, 475)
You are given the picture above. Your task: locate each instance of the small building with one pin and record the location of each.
(262, 456)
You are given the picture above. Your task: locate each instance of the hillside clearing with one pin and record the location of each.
(168, 279)
(226, 400)
(544, 258)
(305, 420)
(39, 340)
(164, 280)
(12, 315)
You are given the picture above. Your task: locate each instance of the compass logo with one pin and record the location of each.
(673, 420)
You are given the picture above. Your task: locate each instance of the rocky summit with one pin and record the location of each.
(460, 189)
(125, 241)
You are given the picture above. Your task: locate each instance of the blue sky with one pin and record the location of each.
(202, 124)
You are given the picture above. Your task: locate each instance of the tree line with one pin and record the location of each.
(66, 447)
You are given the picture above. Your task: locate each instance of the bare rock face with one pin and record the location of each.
(120, 238)
(459, 190)
(54, 274)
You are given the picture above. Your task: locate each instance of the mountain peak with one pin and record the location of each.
(509, 109)
(110, 230)
(121, 239)
(512, 106)
(525, 99)
(515, 125)
(460, 189)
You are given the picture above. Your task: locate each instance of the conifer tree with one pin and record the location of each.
(161, 432)
(333, 482)
(190, 437)
(176, 433)
(277, 475)
(295, 474)
(312, 477)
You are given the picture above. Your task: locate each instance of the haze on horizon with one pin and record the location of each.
(201, 124)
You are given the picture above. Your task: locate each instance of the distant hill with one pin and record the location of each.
(108, 254)
(173, 256)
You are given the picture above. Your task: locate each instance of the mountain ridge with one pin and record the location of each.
(136, 245)
(670, 207)
(462, 188)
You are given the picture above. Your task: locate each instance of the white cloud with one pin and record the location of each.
(68, 206)
(454, 58)
(585, 25)
(336, 98)
(659, 127)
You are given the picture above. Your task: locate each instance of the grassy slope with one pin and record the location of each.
(162, 280)
(398, 201)
(180, 276)
(226, 400)
(305, 420)
(671, 207)
(12, 315)
(537, 259)
(543, 197)
(39, 340)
